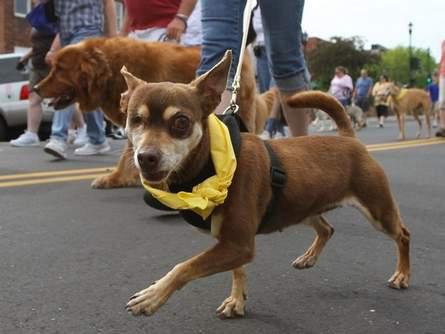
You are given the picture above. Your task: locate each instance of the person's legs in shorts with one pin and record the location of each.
(441, 131)
(34, 112)
(382, 112)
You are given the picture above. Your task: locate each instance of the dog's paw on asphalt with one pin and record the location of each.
(304, 262)
(231, 308)
(147, 301)
(109, 182)
(398, 281)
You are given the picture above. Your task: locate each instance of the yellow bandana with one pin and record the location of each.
(401, 94)
(212, 191)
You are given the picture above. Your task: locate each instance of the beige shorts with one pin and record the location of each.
(37, 75)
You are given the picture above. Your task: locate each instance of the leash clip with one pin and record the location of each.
(232, 108)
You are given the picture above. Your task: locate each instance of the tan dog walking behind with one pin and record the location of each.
(168, 125)
(410, 101)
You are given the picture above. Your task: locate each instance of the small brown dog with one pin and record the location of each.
(89, 73)
(167, 124)
(406, 101)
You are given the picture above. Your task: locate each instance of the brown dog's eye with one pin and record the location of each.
(180, 126)
(136, 120)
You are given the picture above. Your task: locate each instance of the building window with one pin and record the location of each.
(119, 15)
(22, 7)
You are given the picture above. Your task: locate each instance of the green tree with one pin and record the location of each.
(347, 52)
(395, 64)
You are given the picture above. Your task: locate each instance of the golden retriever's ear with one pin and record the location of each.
(212, 84)
(132, 83)
(93, 77)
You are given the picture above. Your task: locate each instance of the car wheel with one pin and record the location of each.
(3, 130)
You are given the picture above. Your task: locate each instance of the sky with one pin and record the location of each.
(382, 22)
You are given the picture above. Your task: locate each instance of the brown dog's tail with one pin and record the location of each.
(327, 103)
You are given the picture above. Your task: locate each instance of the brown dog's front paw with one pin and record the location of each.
(113, 181)
(304, 261)
(231, 307)
(146, 301)
(399, 280)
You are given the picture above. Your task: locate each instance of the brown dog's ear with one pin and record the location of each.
(212, 84)
(132, 83)
(93, 77)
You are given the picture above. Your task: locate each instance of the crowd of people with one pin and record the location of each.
(216, 26)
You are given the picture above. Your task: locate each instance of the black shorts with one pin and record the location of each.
(382, 110)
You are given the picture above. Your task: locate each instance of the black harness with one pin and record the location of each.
(277, 173)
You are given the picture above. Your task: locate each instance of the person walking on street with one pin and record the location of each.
(363, 92)
(441, 131)
(342, 86)
(380, 94)
(41, 41)
(433, 91)
(79, 20)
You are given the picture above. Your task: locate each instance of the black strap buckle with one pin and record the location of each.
(278, 177)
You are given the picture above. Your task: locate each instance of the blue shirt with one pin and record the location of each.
(433, 89)
(362, 86)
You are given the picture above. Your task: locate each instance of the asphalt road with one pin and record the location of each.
(71, 256)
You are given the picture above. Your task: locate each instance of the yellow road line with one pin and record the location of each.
(25, 179)
(407, 143)
(54, 173)
(399, 147)
(49, 180)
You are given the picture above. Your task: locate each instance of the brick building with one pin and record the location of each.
(14, 30)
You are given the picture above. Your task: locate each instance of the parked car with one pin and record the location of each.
(14, 93)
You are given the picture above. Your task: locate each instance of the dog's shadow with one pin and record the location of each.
(173, 218)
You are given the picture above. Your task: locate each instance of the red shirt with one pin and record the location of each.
(143, 14)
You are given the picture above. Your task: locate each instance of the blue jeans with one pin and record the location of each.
(93, 119)
(222, 29)
(263, 70)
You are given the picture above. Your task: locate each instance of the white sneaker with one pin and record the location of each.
(278, 135)
(265, 135)
(286, 132)
(91, 149)
(71, 136)
(57, 148)
(81, 137)
(26, 139)
(332, 128)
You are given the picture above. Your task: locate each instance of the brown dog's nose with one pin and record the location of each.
(149, 159)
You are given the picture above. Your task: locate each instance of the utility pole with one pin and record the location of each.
(410, 61)
(428, 64)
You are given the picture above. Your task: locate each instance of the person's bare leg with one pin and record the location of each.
(297, 119)
(225, 102)
(34, 115)
(442, 118)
